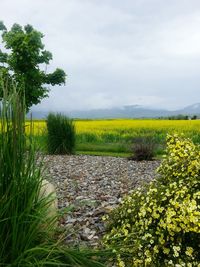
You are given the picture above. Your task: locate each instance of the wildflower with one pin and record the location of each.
(189, 251)
(176, 251)
(166, 251)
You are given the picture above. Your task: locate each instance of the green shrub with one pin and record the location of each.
(143, 148)
(60, 134)
(159, 224)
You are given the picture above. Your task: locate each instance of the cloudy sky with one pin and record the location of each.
(117, 52)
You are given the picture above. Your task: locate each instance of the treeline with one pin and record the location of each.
(179, 117)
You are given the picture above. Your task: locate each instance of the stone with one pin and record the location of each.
(48, 190)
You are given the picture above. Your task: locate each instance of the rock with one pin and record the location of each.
(48, 191)
(103, 210)
(70, 220)
(86, 230)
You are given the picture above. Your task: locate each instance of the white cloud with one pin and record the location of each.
(117, 53)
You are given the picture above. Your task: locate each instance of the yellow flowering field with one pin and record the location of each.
(129, 126)
(116, 129)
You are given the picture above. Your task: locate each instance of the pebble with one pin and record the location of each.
(89, 187)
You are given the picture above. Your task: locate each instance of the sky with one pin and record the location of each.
(116, 53)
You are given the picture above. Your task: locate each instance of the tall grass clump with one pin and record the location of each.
(159, 224)
(22, 211)
(60, 134)
(26, 228)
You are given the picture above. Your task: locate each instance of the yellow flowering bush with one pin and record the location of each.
(159, 224)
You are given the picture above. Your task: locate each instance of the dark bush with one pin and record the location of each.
(60, 134)
(143, 148)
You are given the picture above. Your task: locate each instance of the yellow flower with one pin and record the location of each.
(176, 251)
(161, 240)
(155, 249)
(189, 251)
(166, 251)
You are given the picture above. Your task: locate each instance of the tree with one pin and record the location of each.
(23, 62)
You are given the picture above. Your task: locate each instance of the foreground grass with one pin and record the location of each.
(28, 231)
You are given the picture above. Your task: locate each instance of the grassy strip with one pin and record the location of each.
(96, 149)
(102, 153)
(102, 147)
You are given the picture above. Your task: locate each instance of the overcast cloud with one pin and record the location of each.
(117, 52)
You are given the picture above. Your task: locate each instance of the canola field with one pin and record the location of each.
(116, 134)
(126, 128)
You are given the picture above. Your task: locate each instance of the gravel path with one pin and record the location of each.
(90, 186)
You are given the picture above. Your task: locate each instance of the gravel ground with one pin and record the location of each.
(88, 187)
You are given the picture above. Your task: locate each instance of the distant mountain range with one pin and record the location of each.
(132, 111)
